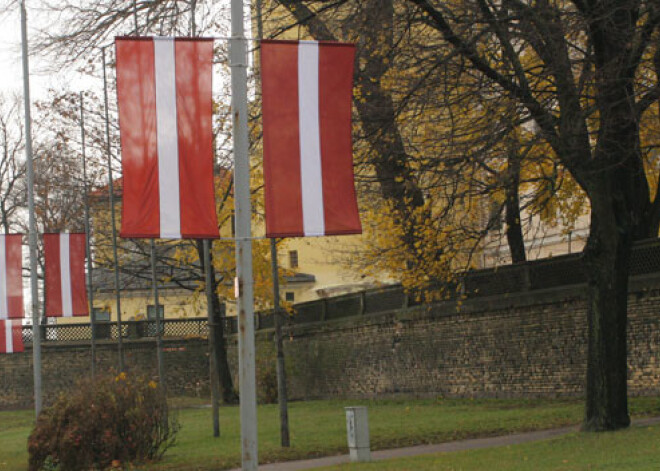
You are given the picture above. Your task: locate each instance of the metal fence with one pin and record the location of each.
(535, 275)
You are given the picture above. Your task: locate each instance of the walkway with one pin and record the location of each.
(472, 444)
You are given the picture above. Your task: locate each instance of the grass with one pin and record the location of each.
(318, 428)
(635, 448)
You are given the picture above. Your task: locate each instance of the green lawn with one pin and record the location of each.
(318, 428)
(637, 448)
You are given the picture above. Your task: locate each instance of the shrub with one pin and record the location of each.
(101, 424)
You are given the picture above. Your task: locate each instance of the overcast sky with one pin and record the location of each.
(11, 75)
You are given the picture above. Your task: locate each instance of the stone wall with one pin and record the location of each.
(523, 344)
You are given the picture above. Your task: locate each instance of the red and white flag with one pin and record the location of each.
(66, 292)
(11, 276)
(165, 119)
(308, 160)
(11, 336)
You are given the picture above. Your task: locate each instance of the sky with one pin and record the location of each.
(11, 75)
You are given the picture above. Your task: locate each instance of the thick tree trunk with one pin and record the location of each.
(514, 235)
(607, 256)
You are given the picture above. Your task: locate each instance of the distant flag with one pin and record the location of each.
(11, 336)
(165, 119)
(66, 293)
(308, 161)
(11, 276)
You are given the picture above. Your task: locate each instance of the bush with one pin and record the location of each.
(101, 424)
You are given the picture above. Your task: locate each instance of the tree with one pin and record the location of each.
(12, 166)
(580, 74)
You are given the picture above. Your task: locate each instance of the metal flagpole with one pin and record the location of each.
(90, 284)
(244, 281)
(281, 371)
(159, 333)
(215, 386)
(32, 237)
(120, 347)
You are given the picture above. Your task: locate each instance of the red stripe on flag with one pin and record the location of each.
(14, 275)
(335, 94)
(17, 331)
(194, 63)
(53, 275)
(77, 268)
(3, 336)
(281, 139)
(136, 94)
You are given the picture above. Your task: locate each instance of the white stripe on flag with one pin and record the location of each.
(167, 135)
(310, 138)
(9, 336)
(4, 302)
(65, 276)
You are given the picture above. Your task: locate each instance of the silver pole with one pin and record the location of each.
(245, 298)
(215, 386)
(32, 224)
(120, 347)
(90, 284)
(282, 398)
(159, 333)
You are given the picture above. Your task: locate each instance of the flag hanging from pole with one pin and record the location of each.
(11, 336)
(164, 92)
(64, 257)
(308, 161)
(11, 276)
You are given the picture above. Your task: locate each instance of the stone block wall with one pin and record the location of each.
(518, 345)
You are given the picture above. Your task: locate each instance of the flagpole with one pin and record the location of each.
(244, 281)
(159, 334)
(213, 364)
(281, 371)
(120, 347)
(90, 285)
(32, 225)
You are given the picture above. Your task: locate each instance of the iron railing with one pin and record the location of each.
(535, 275)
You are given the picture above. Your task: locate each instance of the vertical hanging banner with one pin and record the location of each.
(164, 91)
(11, 276)
(66, 292)
(308, 160)
(11, 336)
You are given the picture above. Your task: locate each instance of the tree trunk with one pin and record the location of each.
(229, 395)
(514, 235)
(607, 256)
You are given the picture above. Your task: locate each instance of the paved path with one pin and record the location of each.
(472, 444)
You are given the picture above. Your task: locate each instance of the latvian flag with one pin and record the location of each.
(11, 276)
(11, 336)
(66, 293)
(308, 162)
(165, 116)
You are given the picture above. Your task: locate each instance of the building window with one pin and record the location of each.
(151, 312)
(101, 314)
(293, 259)
(290, 297)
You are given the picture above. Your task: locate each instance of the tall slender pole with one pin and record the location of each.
(244, 281)
(90, 283)
(282, 398)
(159, 333)
(111, 189)
(215, 381)
(32, 224)
(135, 18)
